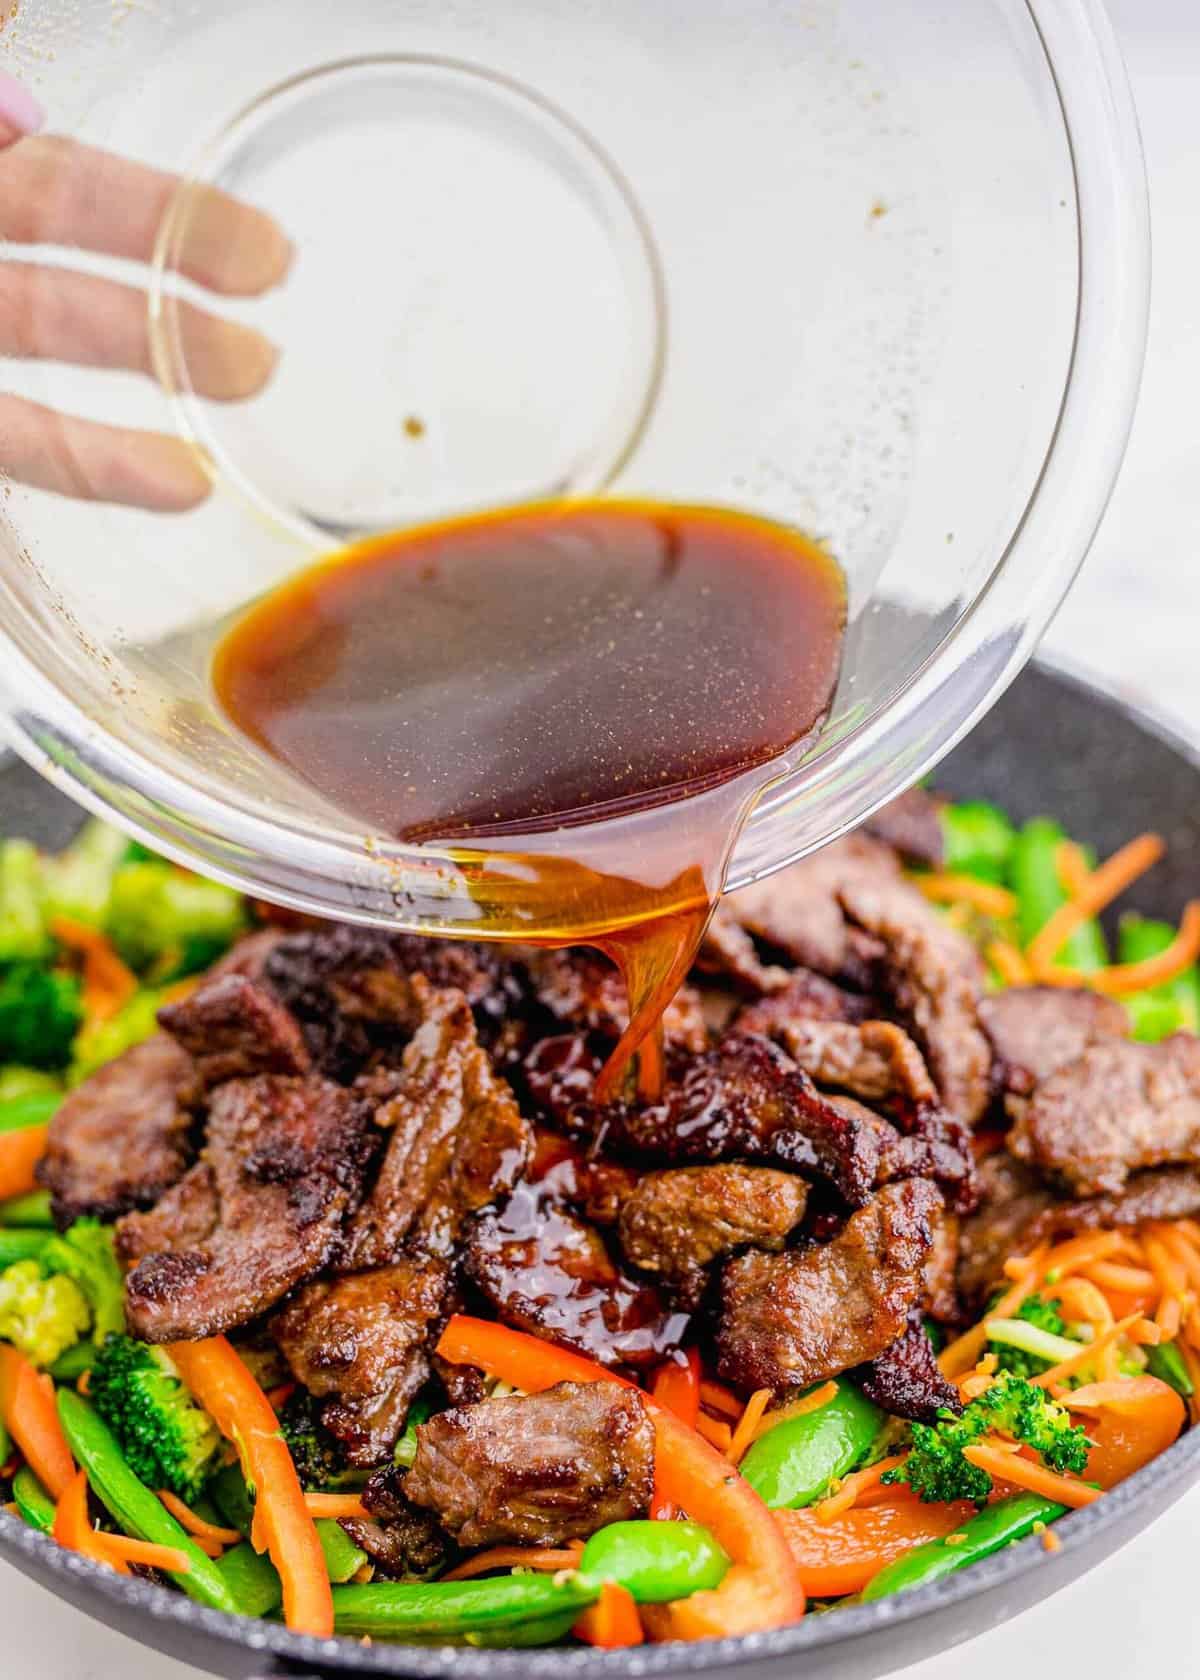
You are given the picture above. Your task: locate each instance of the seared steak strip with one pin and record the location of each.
(234, 1027)
(1117, 1107)
(581, 988)
(905, 1379)
(799, 1317)
(262, 1209)
(805, 997)
(1035, 1030)
(537, 1470)
(911, 825)
(122, 1137)
(403, 1542)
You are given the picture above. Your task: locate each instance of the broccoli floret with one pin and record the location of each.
(42, 1316)
(84, 1253)
(77, 882)
(166, 923)
(936, 1469)
(318, 1456)
(168, 1441)
(40, 1014)
(23, 936)
(17, 1081)
(106, 1040)
(1035, 1309)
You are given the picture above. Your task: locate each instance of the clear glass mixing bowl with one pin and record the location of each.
(878, 270)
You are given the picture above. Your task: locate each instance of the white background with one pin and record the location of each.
(1132, 617)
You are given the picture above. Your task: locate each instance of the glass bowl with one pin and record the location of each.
(876, 271)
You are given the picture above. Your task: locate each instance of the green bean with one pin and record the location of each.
(31, 1110)
(793, 1463)
(6, 1446)
(71, 1365)
(1167, 1364)
(33, 1210)
(134, 1508)
(343, 1559)
(1173, 1005)
(548, 1630)
(995, 1526)
(446, 1609)
(1040, 892)
(21, 1245)
(32, 1501)
(656, 1561)
(977, 839)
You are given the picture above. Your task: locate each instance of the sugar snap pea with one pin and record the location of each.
(1171, 1006)
(71, 1365)
(21, 1245)
(1040, 892)
(995, 1526)
(977, 839)
(793, 1463)
(33, 1109)
(451, 1609)
(656, 1561)
(251, 1579)
(135, 1509)
(30, 1210)
(1167, 1364)
(343, 1558)
(32, 1501)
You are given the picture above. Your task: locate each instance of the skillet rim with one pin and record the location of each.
(1170, 1473)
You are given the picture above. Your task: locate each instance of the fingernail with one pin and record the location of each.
(19, 110)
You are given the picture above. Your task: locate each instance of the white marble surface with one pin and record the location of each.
(1133, 617)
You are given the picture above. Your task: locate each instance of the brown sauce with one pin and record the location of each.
(492, 681)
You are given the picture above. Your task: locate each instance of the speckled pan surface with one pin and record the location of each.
(1051, 745)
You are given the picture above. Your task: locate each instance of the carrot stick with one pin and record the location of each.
(1035, 1478)
(20, 1152)
(717, 1433)
(221, 1383)
(72, 1526)
(612, 1622)
(966, 889)
(548, 1558)
(199, 1527)
(1099, 889)
(1072, 865)
(336, 1505)
(963, 1353)
(1089, 1350)
(31, 1417)
(798, 1408)
(748, 1423)
(107, 984)
(1008, 962)
(167, 1558)
(1126, 1280)
(847, 1495)
(718, 1398)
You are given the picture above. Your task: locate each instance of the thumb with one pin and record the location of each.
(20, 113)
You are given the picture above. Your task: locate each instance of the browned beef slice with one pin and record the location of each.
(799, 1317)
(1019, 1211)
(806, 997)
(935, 978)
(911, 825)
(905, 1378)
(874, 1060)
(1035, 1030)
(458, 1139)
(941, 1270)
(233, 1028)
(403, 1542)
(349, 988)
(539, 1469)
(581, 988)
(249, 955)
(548, 1272)
(1118, 1107)
(935, 1147)
(677, 1222)
(122, 1137)
(798, 912)
(728, 950)
(746, 1098)
(362, 1344)
(282, 1167)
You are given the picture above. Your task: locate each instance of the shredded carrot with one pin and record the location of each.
(1120, 979)
(107, 983)
(1050, 1541)
(20, 1152)
(1128, 1392)
(852, 1487)
(798, 1408)
(1126, 1280)
(1099, 889)
(1035, 1478)
(1135, 1327)
(200, 1527)
(546, 1558)
(1081, 1301)
(336, 1505)
(168, 1558)
(613, 1621)
(83, 1383)
(1008, 962)
(1172, 1281)
(1192, 1361)
(960, 1355)
(966, 889)
(714, 1431)
(1072, 866)
(747, 1427)
(973, 1385)
(718, 1398)
(72, 1526)
(1078, 1252)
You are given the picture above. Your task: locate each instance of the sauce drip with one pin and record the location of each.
(505, 683)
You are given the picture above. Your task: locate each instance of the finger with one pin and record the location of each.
(55, 191)
(20, 112)
(55, 314)
(98, 463)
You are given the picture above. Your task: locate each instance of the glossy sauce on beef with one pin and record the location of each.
(501, 683)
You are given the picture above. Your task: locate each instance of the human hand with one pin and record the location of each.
(57, 192)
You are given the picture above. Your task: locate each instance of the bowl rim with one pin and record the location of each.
(242, 843)
(165, 1607)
